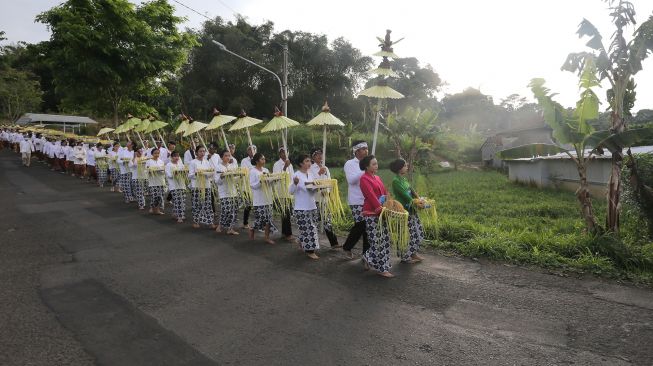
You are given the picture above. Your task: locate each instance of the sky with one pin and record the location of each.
(496, 46)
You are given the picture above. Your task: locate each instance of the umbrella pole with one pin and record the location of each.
(202, 139)
(161, 137)
(140, 138)
(376, 126)
(249, 137)
(153, 140)
(224, 136)
(324, 141)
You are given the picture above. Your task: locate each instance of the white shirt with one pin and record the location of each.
(90, 156)
(188, 157)
(26, 146)
(246, 163)
(315, 170)
(79, 155)
(278, 167)
(225, 190)
(353, 173)
(124, 158)
(164, 154)
(258, 197)
(172, 183)
(304, 197)
(68, 151)
(194, 175)
(60, 150)
(155, 172)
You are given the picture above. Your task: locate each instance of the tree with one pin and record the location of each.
(618, 64)
(411, 132)
(572, 126)
(19, 93)
(109, 53)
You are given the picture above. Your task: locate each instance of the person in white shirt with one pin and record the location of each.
(321, 171)
(228, 193)
(38, 146)
(139, 177)
(305, 207)
(101, 164)
(164, 153)
(201, 174)
(247, 163)
(189, 155)
(91, 172)
(232, 151)
(156, 181)
(26, 149)
(261, 203)
(125, 156)
(70, 157)
(114, 166)
(177, 186)
(79, 159)
(355, 198)
(60, 160)
(284, 165)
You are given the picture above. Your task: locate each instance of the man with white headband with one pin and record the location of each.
(355, 198)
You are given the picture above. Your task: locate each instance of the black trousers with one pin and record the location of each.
(333, 239)
(286, 228)
(355, 234)
(246, 212)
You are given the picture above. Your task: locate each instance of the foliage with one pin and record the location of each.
(107, 53)
(19, 93)
(638, 194)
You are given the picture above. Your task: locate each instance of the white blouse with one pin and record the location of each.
(304, 196)
(195, 173)
(225, 190)
(258, 196)
(315, 170)
(124, 157)
(155, 173)
(172, 183)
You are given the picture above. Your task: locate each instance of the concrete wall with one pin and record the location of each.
(561, 173)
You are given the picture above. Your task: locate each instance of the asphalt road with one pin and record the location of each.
(85, 279)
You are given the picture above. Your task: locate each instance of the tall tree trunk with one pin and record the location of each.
(614, 182)
(585, 200)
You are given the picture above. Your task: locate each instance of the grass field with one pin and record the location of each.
(482, 214)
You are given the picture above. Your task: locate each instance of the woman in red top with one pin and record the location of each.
(374, 193)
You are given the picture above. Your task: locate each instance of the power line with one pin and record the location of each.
(202, 14)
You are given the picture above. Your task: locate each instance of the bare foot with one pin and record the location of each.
(196, 226)
(180, 221)
(312, 256)
(151, 211)
(213, 227)
(386, 274)
(232, 232)
(349, 254)
(251, 233)
(218, 229)
(290, 238)
(417, 258)
(270, 241)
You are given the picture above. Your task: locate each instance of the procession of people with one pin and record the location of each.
(157, 180)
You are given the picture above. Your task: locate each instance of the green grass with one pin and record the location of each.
(482, 214)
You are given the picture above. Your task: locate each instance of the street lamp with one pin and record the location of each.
(283, 86)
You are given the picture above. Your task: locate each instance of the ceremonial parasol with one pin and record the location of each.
(381, 90)
(196, 127)
(105, 130)
(244, 121)
(280, 123)
(219, 121)
(325, 118)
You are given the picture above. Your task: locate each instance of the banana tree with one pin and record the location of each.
(572, 127)
(618, 64)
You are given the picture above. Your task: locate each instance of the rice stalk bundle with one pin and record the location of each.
(394, 218)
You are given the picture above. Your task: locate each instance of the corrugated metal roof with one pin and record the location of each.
(52, 118)
(606, 154)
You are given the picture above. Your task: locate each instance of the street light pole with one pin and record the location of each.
(283, 86)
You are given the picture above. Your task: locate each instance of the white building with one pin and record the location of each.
(559, 171)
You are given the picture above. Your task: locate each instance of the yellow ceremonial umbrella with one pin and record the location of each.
(105, 130)
(280, 123)
(156, 126)
(325, 118)
(244, 121)
(219, 121)
(196, 127)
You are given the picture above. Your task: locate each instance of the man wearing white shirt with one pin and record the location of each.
(124, 157)
(247, 163)
(164, 153)
(355, 198)
(234, 161)
(26, 149)
(284, 165)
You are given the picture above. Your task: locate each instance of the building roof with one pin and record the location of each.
(28, 118)
(606, 154)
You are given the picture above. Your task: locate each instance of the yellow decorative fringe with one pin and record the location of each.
(331, 205)
(181, 177)
(101, 162)
(396, 222)
(244, 187)
(234, 179)
(427, 212)
(202, 181)
(156, 174)
(275, 188)
(140, 167)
